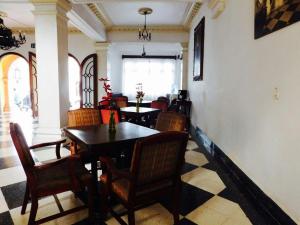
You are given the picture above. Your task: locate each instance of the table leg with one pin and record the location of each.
(94, 171)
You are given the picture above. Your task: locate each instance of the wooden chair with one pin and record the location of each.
(50, 178)
(121, 101)
(155, 172)
(170, 121)
(83, 117)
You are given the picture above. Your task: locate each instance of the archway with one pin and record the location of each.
(14, 83)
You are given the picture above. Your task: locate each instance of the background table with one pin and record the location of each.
(144, 103)
(142, 117)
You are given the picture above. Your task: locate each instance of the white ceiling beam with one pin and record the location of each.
(100, 1)
(81, 18)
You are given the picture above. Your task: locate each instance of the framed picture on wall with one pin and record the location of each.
(273, 15)
(199, 50)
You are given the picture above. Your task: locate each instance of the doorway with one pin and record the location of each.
(14, 84)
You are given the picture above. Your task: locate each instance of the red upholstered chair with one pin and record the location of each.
(164, 99)
(162, 105)
(155, 171)
(105, 115)
(50, 178)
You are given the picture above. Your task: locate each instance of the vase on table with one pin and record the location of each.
(137, 104)
(112, 123)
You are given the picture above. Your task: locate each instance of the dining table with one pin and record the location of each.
(142, 115)
(99, 141)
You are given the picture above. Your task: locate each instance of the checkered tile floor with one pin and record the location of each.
(208, 195)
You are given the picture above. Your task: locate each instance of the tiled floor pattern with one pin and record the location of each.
(208, 196)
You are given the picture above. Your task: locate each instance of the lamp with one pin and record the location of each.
(7, 40)
(145, 34)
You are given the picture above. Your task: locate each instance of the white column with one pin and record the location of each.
(102, 64)
(184, 77)
(51, 36)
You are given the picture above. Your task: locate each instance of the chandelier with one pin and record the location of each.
(145, 34)
(7, 40)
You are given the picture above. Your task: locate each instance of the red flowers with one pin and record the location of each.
(107, 89)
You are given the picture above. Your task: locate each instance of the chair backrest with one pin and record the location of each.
(21, 147)
(105, 115)
(164, 99)
(158, 158)
(83, 117)
(162, 105)
(170, 121)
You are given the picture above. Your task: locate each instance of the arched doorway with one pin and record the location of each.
(14, 84)
(74, 82)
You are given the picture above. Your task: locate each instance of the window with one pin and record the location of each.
(158, 77)
(74, 82)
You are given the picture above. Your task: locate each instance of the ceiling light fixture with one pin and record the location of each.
(7, 39)
(145, 34)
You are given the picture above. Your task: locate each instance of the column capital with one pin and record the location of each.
(185, 46)
(45, 7)
(100, 46)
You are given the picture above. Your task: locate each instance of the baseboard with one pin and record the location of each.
(271, 211)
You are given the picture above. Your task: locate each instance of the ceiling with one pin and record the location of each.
(116, 13)
(126, 13)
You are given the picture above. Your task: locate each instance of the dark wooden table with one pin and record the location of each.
(144, 103)
(134, 116)
(100, 142)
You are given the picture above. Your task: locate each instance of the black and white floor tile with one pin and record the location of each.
(208, 196)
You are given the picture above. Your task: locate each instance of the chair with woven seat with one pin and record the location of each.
(82, 117)
(56, 176)
(170, 121)
(155, 172)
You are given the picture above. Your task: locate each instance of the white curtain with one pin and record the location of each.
(158, 77)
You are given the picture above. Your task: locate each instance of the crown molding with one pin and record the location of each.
(100, 15)
(191, 14)
(160, 28)
(30, 30)
(64, 4)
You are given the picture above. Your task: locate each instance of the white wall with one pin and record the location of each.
(235, 105)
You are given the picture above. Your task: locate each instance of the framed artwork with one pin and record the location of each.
(272, 15)
(199, 50)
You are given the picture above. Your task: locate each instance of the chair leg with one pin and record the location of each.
(131, 218)
(25, 201)
(33, 211)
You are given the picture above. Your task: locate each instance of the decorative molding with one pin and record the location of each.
(191, 14)
(100, 15)
(264, 204)
(99, 1)
(30, 30)
(217, 7)
(64, 4)
(102, 46)
(152, 28)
